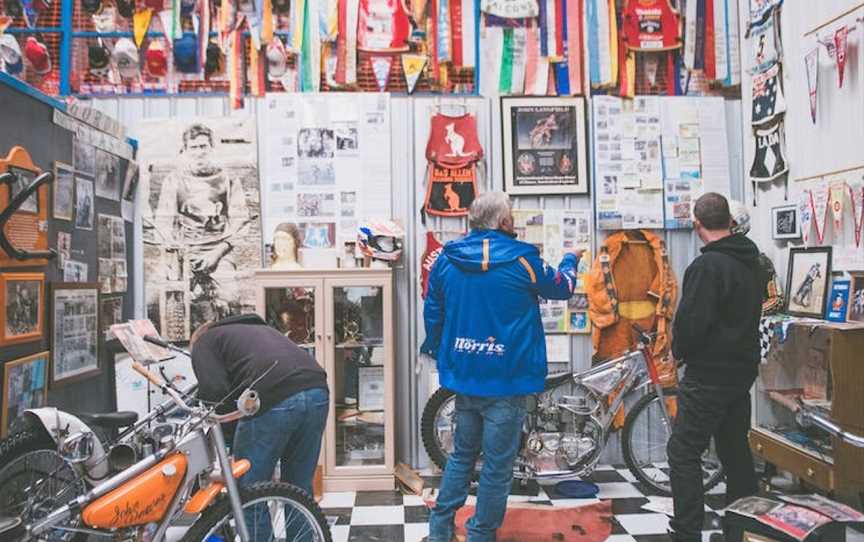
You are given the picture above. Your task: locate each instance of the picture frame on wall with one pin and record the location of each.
(544, 145)
(785, 223)
(856, 298)
(22, 307)
(25, 385)
(64, 191)
(75, 331)
(807, 281)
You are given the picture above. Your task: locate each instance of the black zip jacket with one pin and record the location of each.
(239, 349)
(716, 330)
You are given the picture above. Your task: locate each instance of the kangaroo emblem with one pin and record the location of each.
(451, 196)
(455, 140)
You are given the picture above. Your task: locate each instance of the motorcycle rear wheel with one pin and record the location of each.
(439, 411)
(654, 470)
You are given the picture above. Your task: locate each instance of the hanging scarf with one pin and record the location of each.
(819, 207)
(341, 42)
(297, 16)
(562, 75)
(573, 44)
(235, 67)
(690, 31)
(767, 95)
(841, 41)
(352, 16)
(733, 44)
(469, 36)
(699, 56)
(532, 63)
(560, 38)
(517, 85)
(721, 61)
(456, 31)
(592, 15)
(204, 30)
(805, 214)
(176, 25)
(543, 20)
(811, 63)
(444, 31)
(256, 71)
(492, 52)
(612, 18)
(505, 80)
(836, 196)
(432, 39)
(710, 61)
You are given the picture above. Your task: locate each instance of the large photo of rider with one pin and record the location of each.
(201, 227)
(544, 145)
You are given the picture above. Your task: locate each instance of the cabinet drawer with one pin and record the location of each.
(786, 456)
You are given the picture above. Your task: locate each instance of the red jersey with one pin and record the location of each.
(383, 25)
(650, 25)
(430, 256)
(453, 141)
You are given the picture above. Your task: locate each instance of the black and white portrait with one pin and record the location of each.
(22, 179)
(807, 281)
(201, 230)
(23, 306)
(84, 157)
(316, 204)
(110, 313)
(107, 175)
(75, 331)
(347, 141)
(83, 204)
(64, 191)
(785, 222)
(315, 152)
(856, 298)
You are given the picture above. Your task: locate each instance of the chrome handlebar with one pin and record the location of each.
(807, 417)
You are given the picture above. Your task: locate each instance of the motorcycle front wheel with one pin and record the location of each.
(643, 444)
(274, 511)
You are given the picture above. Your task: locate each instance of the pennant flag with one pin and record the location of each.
(492, 51)
(444, 34)
(140, 24)
(352, 15)
(519, 57)
(574, 45)
(805, 214)
(381, 68)
(720, 36)
(176, 24)
(837, 197)
(165, 19)
(256, 72)
(469, 36)
(690, 32)
(819, 206)
(811, 62)
(532, 57)
(235, 67)
(612, 19)
(204, 31)
(857, 198)
(341, 41)
(296, 18)
(841, 41)
(266, 22)
(505, 79)
(456, 31)
(710, 63)
(412, 67)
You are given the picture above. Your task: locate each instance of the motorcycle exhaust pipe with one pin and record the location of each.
(121, 457)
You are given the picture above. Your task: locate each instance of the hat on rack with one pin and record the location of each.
(277, 59)
(126, 58)
(215, 61)
(10, 51)
(91, 6)
(126, 8)
(156, 59)
(98, 59)
(186, 54)
(37, 55)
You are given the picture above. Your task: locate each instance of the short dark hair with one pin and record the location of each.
(197, 130)
(712, 210)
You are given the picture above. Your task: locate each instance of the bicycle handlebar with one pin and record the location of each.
(14, 205)
(807, 417)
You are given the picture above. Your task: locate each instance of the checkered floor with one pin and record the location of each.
(389, 516)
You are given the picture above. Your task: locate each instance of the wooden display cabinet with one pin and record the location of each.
(344, 318)
(822, 363)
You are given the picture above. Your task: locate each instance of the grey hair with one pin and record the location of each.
(488, 210)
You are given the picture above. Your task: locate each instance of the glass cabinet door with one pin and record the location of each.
(291, 310)
(359, 390)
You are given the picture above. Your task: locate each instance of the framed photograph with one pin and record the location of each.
(370, 388)
(75, 333)
(838, 301)
(22, 301)
(545, 146)
(785, 223)
(110, 313)
(856, 298)
(23, 178)
(64, 191)
(807, 281)
(108, 181)
(25, 385)
(83, 204)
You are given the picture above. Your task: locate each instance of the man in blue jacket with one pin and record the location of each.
(483, 326)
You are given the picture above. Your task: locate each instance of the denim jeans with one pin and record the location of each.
(706, 411)
(493, 426)
(291, 432)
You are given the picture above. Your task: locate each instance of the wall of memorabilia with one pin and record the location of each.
(56, 310)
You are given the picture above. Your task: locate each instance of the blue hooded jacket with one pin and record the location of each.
(482, 315)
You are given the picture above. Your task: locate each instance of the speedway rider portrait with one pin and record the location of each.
(483, 326)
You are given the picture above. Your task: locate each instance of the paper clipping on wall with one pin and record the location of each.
(200, 211)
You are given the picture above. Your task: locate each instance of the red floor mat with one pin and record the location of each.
(537, 523)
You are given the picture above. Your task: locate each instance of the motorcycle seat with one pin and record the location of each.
(553, 381)
(111, 420)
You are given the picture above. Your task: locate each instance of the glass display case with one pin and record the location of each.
(343, 318)
(819, 364)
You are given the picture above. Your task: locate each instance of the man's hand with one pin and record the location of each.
(206, 262)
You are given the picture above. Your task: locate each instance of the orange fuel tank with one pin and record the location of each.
(141, 500)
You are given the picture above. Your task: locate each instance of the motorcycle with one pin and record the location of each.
(60, 482)
(568, 424)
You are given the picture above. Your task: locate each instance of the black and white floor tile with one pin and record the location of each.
(389, 516)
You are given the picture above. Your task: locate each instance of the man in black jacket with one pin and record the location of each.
(716, 334)
(229, 355)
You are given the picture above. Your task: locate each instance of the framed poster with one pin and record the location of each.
(838, 301)
(545, 147)
(807, 281)
(24, 386)
(75, 333)
(785, 223)
(856, 298)
(64, 191)
(22, 301)
(24, 230)
(370, 388)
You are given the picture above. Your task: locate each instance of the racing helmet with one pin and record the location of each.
(381, 240)
(740, 217)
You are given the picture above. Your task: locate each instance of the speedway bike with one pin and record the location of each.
(568, 424)
(59, 482)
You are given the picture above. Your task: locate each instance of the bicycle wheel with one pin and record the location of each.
(274, 511)
(34, 480)
(643, 445)
(438, 426)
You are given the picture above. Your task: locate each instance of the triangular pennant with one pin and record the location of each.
(412, 67)
(811, 62)
(140, 25)
(841, 40)
(381, 68)
(805, 214)
(856, 196)
(819, 206)
(837, 198)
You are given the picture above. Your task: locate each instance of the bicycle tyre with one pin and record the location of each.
(627, 448)
(24, 442)
(221, 510)
(428, 423)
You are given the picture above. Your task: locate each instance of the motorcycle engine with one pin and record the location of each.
(561, 441)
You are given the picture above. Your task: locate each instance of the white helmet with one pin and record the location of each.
(740, 217)
(381, 240)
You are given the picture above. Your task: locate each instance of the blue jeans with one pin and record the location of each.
(493, 426)
(291, 432)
